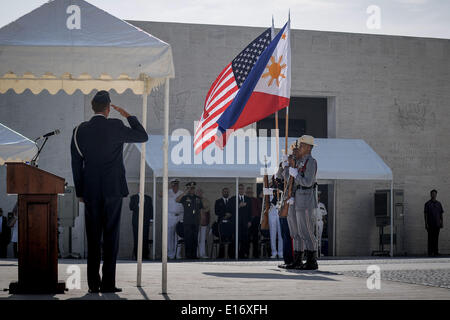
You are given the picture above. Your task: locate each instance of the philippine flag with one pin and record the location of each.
(266, 90)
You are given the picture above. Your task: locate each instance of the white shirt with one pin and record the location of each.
(173, 206)
(321, 211)
(14, 237)
(225, 200)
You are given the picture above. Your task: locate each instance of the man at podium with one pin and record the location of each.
(99, 178)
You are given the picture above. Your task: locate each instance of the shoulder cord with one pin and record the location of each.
(76, 141)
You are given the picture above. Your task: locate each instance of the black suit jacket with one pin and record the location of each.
(245, 213)
(220, 208)
(5, 234)
(148, 206)
(100, 171)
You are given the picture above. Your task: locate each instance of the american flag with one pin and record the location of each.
(225, 88)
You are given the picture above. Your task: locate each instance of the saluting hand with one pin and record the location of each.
(122, 112)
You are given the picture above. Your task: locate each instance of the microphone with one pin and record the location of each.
(49, 134)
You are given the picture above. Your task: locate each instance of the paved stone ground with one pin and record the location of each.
(401, 278)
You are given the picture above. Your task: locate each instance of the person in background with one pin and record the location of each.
(433, 223)
(321, 213)
(223, 209)
(256, 217)
(192, 205)
(204, 224)
(14, 225)
(148, 216)
(5, 234)
(175, 214)
(275, 227)
(244, 221)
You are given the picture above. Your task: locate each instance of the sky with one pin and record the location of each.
(419, 18)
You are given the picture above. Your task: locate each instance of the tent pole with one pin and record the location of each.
(334, 217)
(154, 218)
(165, 187)
(236, 247)
(392, 218)
(141, 190)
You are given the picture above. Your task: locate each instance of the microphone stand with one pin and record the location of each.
(34, 160)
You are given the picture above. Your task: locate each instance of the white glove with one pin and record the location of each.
(293, 172)
(267, 191)
(290, 201)
(285, 164)
(284, 158)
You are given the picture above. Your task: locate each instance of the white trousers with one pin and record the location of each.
(319, 225)
(201, 248)
(275, 231)
(172, 238)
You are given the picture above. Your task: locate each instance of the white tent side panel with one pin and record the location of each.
(14, 147)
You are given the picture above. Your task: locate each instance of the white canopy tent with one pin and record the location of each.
(15, 147)
(72, 45)
(349, 159)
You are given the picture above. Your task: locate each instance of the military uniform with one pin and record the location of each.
(305, 206)
(320, 213)
(192, 205)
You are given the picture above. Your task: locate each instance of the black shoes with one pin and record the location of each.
(110, 290)
(94, 290)
(311, 261)
(104, 290)
(298, 261)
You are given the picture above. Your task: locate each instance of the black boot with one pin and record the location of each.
(286, 265)
(311, 261)
(298, 261)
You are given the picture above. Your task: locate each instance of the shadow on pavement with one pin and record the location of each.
(272, 276)
(141, 291)
(166, 296)
(97, 296)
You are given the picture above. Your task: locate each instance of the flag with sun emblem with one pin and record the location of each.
(225, 88)
(266, 89)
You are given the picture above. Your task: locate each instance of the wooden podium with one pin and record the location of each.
(38, 228)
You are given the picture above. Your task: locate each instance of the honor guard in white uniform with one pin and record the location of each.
(305, 201)
(321, 212)
(175, 214)
(275, 229)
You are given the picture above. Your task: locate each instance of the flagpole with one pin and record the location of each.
(286, 131)
(286, 139)
(277, 135)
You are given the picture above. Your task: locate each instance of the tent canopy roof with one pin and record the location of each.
(14, 147)
(72, 39)
(351, 159)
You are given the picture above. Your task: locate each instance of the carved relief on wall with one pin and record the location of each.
(177, 105)
(415, 116)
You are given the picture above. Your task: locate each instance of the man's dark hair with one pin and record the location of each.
(241, 185)
(99, 106)
(434, 190)
(100, 101)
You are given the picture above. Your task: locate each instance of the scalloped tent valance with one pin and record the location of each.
(69, 84)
